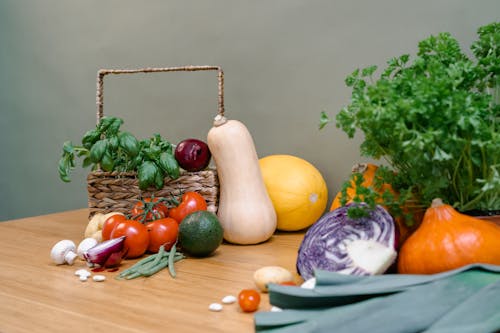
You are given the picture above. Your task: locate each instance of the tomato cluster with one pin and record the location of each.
(151, 224)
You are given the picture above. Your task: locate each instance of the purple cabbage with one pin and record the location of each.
(337, 243)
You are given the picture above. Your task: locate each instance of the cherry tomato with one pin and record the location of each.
(137, 237)
(154, 208)
(110, 224)
(249, 300)
(162, 232)
(190, 202)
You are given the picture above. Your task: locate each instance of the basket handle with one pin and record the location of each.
(103, 72)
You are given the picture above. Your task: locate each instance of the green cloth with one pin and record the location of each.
(462, 300)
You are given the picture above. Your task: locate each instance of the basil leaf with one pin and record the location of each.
(104, 124)
(129, 143)
(152, 153)
(169, 164)
(86, 162)
(114, 127)
(147, 174)
(64, 168)
(113, 142)
(97, 150)
(135, 162)
(90, 138)
(107, 163)
(68, 147)
(159, 179)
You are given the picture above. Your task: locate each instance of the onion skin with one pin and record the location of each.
(106, 254)
(328, 243)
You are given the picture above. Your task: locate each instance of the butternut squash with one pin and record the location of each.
(245, 211)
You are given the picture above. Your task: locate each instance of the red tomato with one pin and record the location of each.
(249, 300)
(191, 202)
(110, 224)
(149, 210)
(162, 232)
(137, 237)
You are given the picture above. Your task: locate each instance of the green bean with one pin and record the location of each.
(138, 264)
(155, 269)
(157, 258)
(132, 276)
(171, 258)
(153, 264)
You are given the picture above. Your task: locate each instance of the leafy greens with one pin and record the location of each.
(435, 120)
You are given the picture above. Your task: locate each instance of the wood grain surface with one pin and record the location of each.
(39, 296)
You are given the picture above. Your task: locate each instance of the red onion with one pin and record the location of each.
(337, 243)
(192, 154)
(106, 254)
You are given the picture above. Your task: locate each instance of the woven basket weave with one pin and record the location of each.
(119, 191)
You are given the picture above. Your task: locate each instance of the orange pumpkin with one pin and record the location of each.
(368, 171)
(446, 240)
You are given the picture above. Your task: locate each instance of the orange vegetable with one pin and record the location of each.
(446, 240)
(368, 171)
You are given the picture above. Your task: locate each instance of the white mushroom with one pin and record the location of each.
(64, 252)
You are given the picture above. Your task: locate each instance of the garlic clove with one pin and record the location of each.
(216, 307)
(98, 278)
(229, 299)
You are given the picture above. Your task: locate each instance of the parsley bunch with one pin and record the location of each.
(435, 120)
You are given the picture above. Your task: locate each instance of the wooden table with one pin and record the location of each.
(39, 296)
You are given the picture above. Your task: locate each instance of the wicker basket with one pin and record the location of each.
(119, 191)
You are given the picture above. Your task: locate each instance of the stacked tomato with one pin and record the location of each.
(150, 224)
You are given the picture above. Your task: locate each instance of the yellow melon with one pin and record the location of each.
(297, 190)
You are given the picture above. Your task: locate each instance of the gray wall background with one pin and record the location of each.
(284, 62)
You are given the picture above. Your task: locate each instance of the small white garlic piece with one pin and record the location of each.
(83, 272)
(98, 278)
(229, 299)
(216, 307)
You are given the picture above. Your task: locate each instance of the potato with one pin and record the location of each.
(93, 225)
(94, 228)
(271, 274)
(97, 236)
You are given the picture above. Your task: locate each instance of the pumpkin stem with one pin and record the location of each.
(359, 168)
(437, 203)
